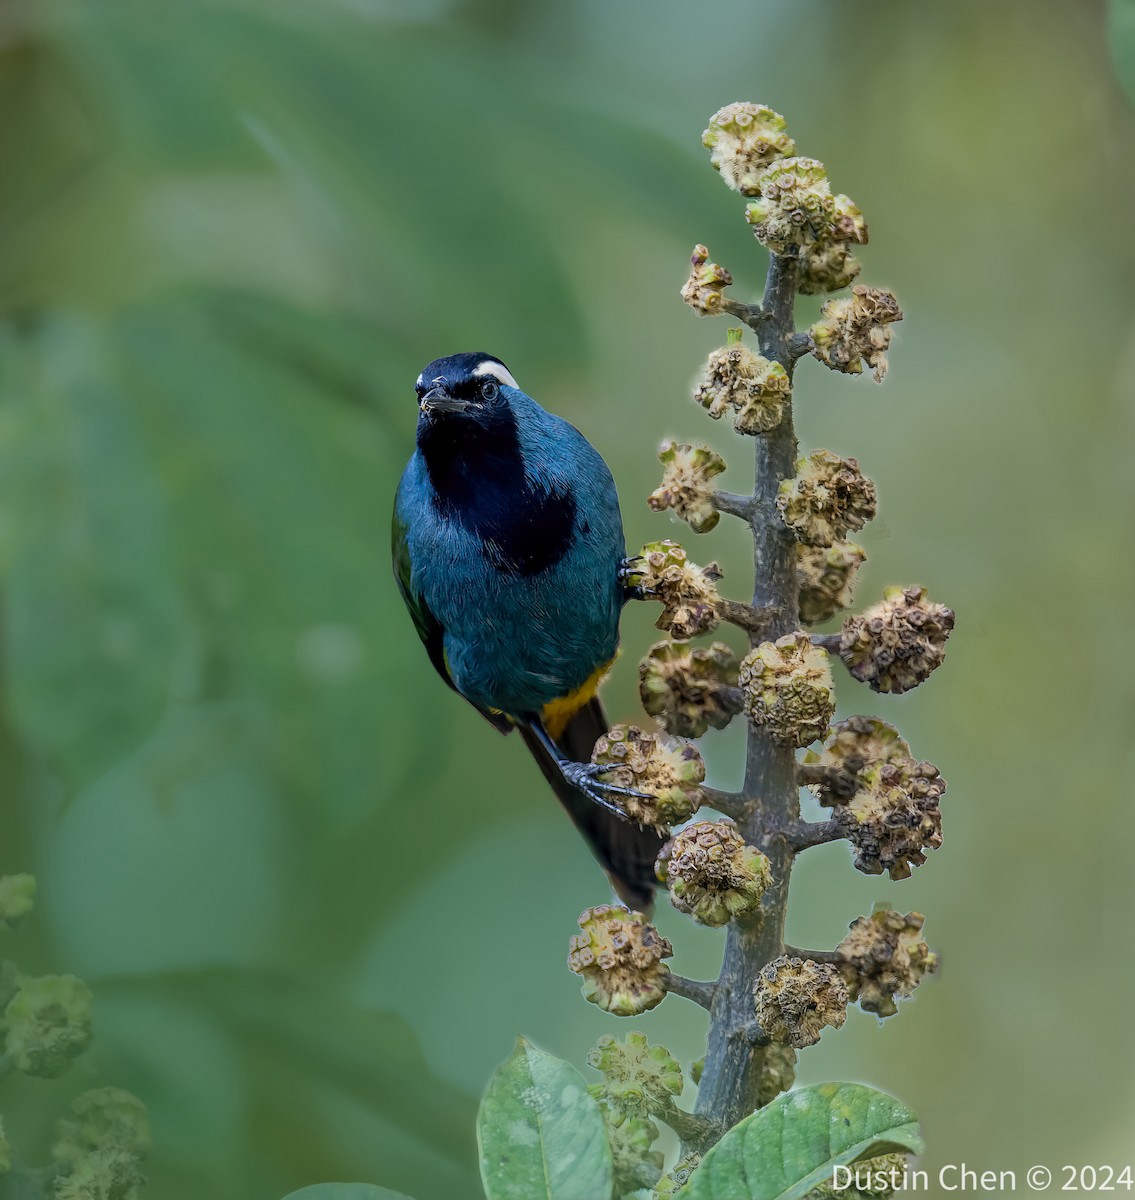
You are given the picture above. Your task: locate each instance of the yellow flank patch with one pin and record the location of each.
(557, 713)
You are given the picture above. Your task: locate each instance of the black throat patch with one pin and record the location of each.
(477, 470)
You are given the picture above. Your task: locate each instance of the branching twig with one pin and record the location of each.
(800, 344)
(691, 989)
(733, 804)
(754, 315)
(735, 505)
(827, 641)
(693, 1130)
(802, 835)
(755, 621)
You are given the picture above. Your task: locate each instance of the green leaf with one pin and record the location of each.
(540, 1133)
(785, 1150)
(345, 1191)
(1121, 36)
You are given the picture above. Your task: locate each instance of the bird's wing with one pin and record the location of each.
(429, 628)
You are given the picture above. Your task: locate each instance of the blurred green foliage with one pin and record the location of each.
(315, 897)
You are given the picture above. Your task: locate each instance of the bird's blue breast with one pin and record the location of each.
(519, 563)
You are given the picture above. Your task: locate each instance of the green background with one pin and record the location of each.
(315, 895)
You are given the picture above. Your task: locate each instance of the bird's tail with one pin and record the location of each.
(626, 851)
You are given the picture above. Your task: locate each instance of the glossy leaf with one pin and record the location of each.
(540, 1133)
(785, 1150)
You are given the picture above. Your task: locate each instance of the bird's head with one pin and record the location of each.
(464, 391)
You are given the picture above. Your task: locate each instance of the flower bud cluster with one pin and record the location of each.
(634, 1161)
(795, 998)
(753, 387)
(619, 956)
(639, 1078)
(686, 486)
(895, 645)
(712, 873)
(743, 140)
(689, 688)
(688, 592)
(704, 290)
(854, 330)
(884, 956)
(788, 689)
(828, 498)
(825, 576)
(668, 776)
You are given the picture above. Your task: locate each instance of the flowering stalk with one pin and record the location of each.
(771, 1000)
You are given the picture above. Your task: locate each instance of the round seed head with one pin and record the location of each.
(17, 899)
(704, 290)
(688, 592)
(825, 576)
(788, 689)
(884, 957)
(105, 1117)
(712, 873)
(619, 956)
(795, 206)
(895, 818)
(795, 998)
(895, 645)
(689, 688)
(743, 140)
(49, 1023)
(750, 386)
(668, 775)
(854, 330)
(828, 498)
(686, 484)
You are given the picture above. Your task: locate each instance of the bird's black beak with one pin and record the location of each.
(438, 400)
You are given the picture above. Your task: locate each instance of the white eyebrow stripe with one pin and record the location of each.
(498, 372)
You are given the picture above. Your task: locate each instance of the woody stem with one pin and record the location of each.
(730, 1083)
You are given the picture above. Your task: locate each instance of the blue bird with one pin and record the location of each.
(509, 552)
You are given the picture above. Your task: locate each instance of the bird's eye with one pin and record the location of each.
(490, 389)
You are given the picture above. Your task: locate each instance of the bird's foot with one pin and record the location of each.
(628, 570)
(628, 567)
(585, 778)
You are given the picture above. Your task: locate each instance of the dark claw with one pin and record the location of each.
(584, 777)
(628, 568)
